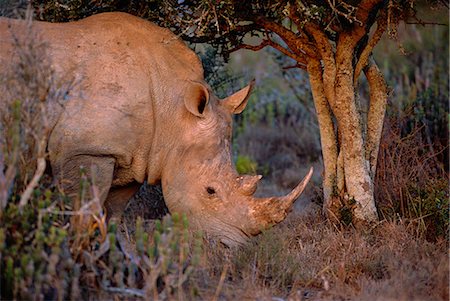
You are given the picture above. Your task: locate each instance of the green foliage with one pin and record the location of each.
(245, 165)
(429, 206)
(216, 74)
(428, 110)
(38, 256)
(34, 249)
(171, 253)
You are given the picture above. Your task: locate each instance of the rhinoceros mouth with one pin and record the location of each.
(225, 232)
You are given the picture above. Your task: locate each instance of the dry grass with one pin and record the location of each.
(306, 258)
(412, 176)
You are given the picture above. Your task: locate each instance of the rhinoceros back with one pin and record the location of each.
(122, 69)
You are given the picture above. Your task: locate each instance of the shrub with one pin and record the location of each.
(42, 259)
(245, 165)
(412, 180)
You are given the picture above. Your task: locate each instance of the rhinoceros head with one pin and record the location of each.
(199, 178)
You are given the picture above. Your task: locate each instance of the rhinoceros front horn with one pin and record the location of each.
(272, 210)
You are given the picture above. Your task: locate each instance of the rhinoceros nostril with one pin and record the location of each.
(210, 190)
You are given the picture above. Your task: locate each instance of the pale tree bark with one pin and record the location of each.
(327, 134)
(358, 182)
(377, 110)
(350, 158)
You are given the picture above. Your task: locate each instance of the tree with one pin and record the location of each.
(333, 41)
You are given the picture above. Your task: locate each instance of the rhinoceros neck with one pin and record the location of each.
(166, 104)
(171, 66)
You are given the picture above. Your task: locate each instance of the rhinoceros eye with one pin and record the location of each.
(210, 190)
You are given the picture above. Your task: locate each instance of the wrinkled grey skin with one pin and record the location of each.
(143, 111)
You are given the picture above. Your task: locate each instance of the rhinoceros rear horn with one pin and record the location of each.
(273, 210)
(236, 103)
(247, 184)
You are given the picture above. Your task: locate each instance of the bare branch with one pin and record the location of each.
(237, 30)
(301, 66)
(364, 57)
(297, 44)
(377, 110)
(328, 137)
(34, 182)
(128, 292)
(423, 23)
(328, 58)
(348, 11)
(301, 60)
(250, 47)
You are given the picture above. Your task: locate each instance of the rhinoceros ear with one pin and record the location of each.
(236, 103)
(196, 99)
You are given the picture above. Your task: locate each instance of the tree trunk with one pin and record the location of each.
(350, 157)
(358, 183)
(327, 136)
(377, 109)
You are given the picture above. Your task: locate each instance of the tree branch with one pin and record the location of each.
(301, 66)
(297, 44)
(237, 30)
(348, 40)
(129, 292)
(423, 23)
(250, 47)
(327, 133)
(301, 60)
(328, 58)
(297, 57)
(364, 57)
(34, 182)
(348, 14)
(377, 110)
(365, 9)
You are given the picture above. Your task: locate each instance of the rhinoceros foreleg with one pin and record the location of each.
(69, 175)
(117, 200)
(101, 171)
(115, 204)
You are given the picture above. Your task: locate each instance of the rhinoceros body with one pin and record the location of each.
(142, 111)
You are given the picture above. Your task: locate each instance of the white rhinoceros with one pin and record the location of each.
(145, 113)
